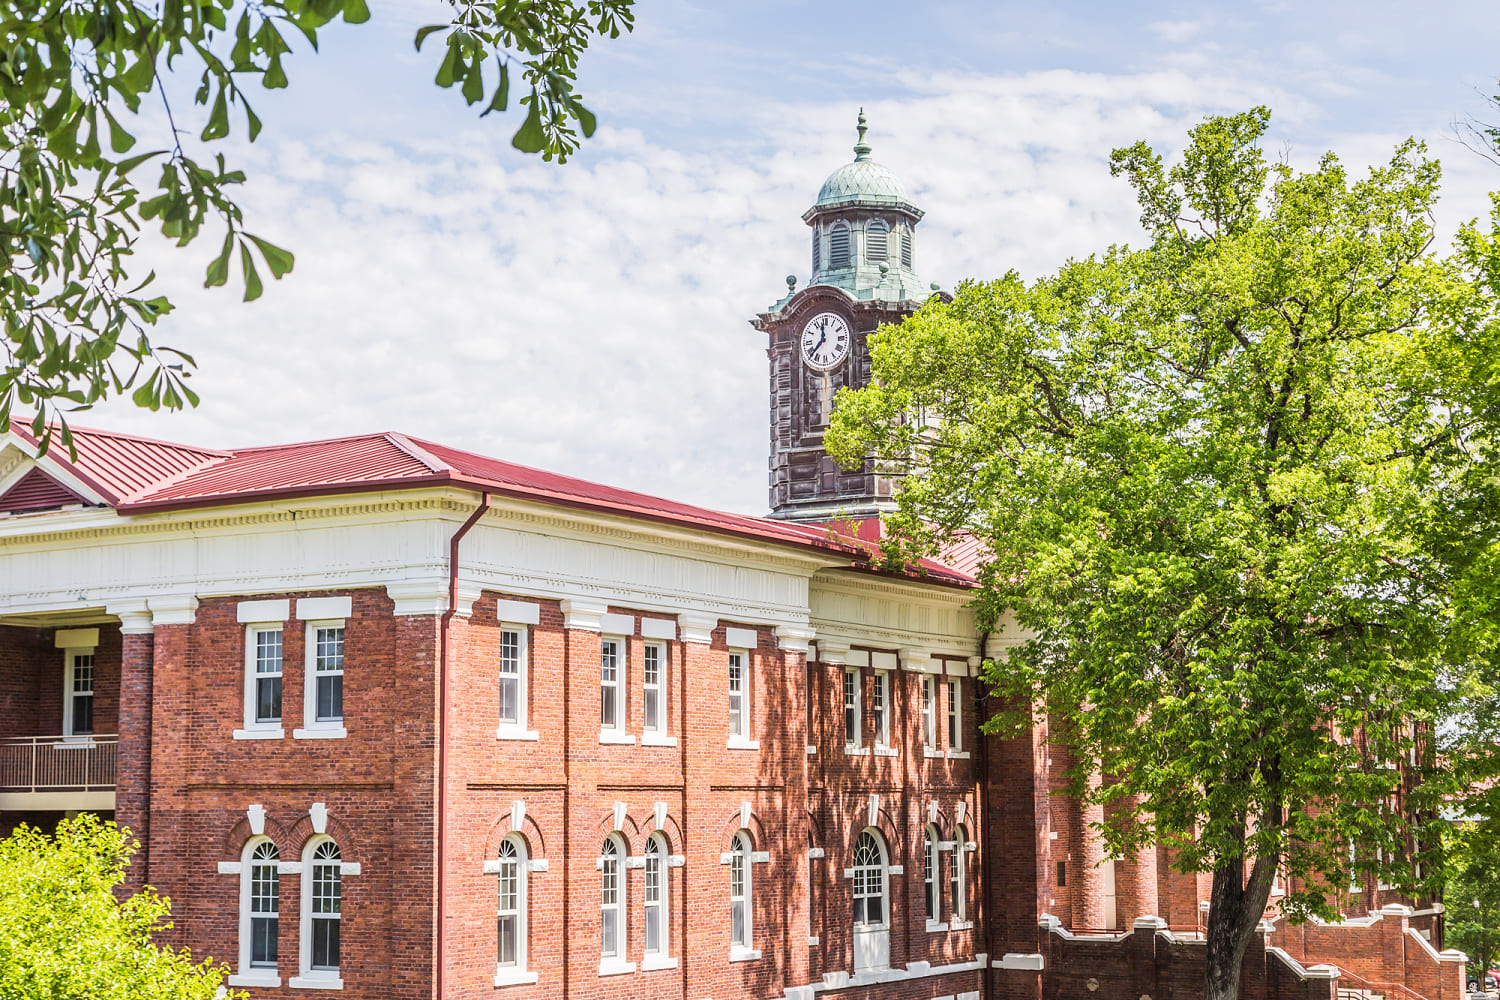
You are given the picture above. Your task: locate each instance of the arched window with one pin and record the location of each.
(930, 880)
(869, 882)
(906, 247)
(657, 897)
(510, 913)
(960, 870)
(260, 907)
(817, 235)
(322, 909)
(611, 901)
(739, 891)
(838, 245)
(877, 249)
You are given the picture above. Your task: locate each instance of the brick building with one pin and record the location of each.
(398, 720)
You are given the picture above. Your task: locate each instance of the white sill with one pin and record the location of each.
(657, 740)
(812, 751)
(744, 954)
(514, 977)
(936, 926)
(319, 733)
(852, 751)
(332, 982)
(884, 751)
(615, 967)
(255, 979)
(812, 941)
(259, 734)
(958, 755)
(515, 733)
(961, 925)
(615, 736)
(740, 743)
(931, 753)
(653, 962)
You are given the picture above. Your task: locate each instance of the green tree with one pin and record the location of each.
(1473, 897)
(74, 78)
(65, 935)
(1205, 473)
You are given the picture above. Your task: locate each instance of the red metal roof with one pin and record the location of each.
(138, 474)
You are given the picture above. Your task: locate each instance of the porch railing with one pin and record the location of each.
(58, 763)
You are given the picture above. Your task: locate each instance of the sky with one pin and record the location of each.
(592, 318)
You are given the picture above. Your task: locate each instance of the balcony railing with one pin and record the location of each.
(58, 763)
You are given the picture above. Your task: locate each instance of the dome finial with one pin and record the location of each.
(861, 148)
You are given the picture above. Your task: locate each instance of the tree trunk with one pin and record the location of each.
(1234, 911)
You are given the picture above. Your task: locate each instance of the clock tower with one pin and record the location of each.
(862, 276)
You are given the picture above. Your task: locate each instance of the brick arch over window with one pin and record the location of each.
(670, 829)
(814, 830)
(536, 844)
(733, 823)
(885, 825)
(630, 829)
(240, 834)
(333, 827)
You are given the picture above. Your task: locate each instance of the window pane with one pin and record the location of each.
(510, 700)
(330, 698)
(506, 931)
(268, 651)
(330, 654)
(263, 931)
(652, 709)
(737, 923)
(83, 713)
(268, 699)
(608, 927)
(653, 928)
(325, 944)
(607, 707)
(736, 716)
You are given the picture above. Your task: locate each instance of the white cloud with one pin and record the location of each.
(592, 318)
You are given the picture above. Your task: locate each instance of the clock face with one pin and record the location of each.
(825, 341)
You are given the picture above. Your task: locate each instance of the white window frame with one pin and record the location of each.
(853, 705)
(657, 689)
(314, 728)
(861, 877)
(516, 729)
(308, 977)
(259, 975)
(70, 674)
(959, 877)
(658, 867)
(612, 954)
(955, 715)
(881, 707)
(619, 648)
(929, 712)
(739, 739)
(741, 868)
(513, 972)
(932, 869)
(254, 729)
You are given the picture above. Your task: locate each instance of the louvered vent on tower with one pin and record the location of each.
(838, 245)
(906, 247)
(817, 249)
(876, 247)
(37, 491)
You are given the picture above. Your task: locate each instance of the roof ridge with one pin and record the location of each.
(25, 431)
(417, 452)
(370, 436)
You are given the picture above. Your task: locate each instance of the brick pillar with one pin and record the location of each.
(703, 882)
(133, 761)
(1135, 880)
(793, 644)
(1087, 856)
(1011, 827)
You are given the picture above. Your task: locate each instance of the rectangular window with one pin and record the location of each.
(268, 669)
(653, 685)
(955, 731)
(956, 869)
(851, 707)
(611, 715)
(265, 893)
(513, 678)
(929, 714)
(327, 901)
(878, 713)
(1062, 874)
(80, 694)
(654, 916)
(739, 726)
(739, 926)
(508, 917)
(328, 673)
(929, 876)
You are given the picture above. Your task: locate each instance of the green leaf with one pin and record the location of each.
(530, 137)
(356, 12)
(501, 97)
(449, 66)
(423, 32)
(275, 76)
(120, 140)
(218, 268)
(474, 83)
(218, 119)
(252, 279)
(127, 165)
(586, 120)
(278, 260)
